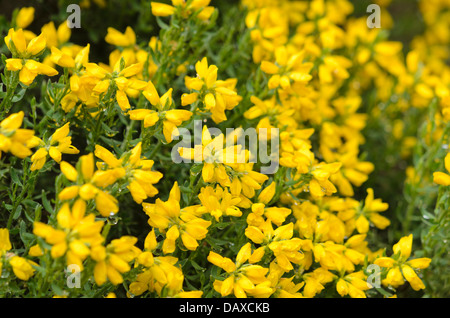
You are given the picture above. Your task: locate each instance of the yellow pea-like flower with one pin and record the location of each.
(22, 268)
(25, 17)
(162, 9)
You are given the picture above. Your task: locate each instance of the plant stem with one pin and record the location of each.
(29, 182)
(5, 106)
(158, 145)
(198, 183)
(127, 136)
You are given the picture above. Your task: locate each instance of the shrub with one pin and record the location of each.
(230, 149)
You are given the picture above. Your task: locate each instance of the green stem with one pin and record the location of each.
(409, 212)
(158, 146)
(128, 133)
(198, 181)
(60, 97)
(97, 130)
(11, 88)
(29, 182)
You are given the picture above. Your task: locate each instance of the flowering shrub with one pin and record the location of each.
(224, 149)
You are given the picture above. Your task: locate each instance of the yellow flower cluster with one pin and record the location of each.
(23, 54)
(14, 139)
(22, 267)
(443, 178)
(216, 95)
(297, 233)
(200, 8)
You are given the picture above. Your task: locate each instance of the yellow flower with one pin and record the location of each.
(285, 287)
(24, 17)
(88, 185)
(320, 184)
(5, 243)
(353, 284)
(189, 294)
(117, 38)
(306, 215)
(122, 79)
(245, 182)
(280, 242)
(22, 53)
(114, 260)
(130, 53)
(315, 281)
(187, 8)
(56, 37)
(65, 146)
(75, 234)
(16, 42)
(270, 29)
(218, 157)
(14, 139)
(162, 9)
(133, 167)
(288, 70)
(267, 194)
(160, 274)
(22, 267)
(219, 202)
(242, 279)
(170, 118)
(370, 211)
(276, 215)
(175, 222)
(441, 177)
(62, 59)
(313, 177)
(29, 69)
(35, 251)
(334, 68)
(216, 95)
(400, 268)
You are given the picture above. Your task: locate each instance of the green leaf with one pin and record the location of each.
(108, 131)
(48, 207)
(161, 24)
(18, 212)
(29, 206)
(196, 168)
(57, 290)
(26, 237)
(427, 215)
(15, 177)
(217, 243)
(19, 95)
(185, 189)
(196, 266)
(383, 292)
